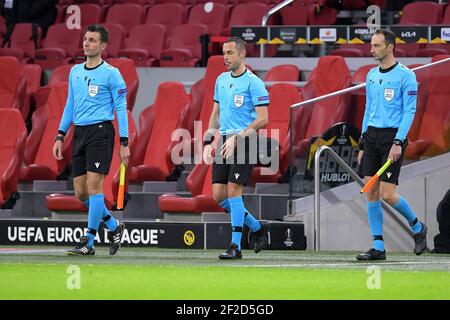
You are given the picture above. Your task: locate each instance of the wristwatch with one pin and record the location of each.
(59, 138)
(398, 142)
(124, 141)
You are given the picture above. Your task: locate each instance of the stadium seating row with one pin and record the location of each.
(151, 154)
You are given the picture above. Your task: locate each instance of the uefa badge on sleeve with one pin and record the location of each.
(93, 90)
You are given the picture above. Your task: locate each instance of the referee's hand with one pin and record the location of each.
(207, 154)
(57, 150)
(124, 154)
(395, 153)
(228, 147)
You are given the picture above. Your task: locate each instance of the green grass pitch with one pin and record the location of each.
(148, 273)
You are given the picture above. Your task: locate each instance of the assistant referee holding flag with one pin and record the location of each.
(391, 97)
(95, 90)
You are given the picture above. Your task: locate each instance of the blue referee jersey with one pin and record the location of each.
(391, 97)
(93, 95)
(237, 98)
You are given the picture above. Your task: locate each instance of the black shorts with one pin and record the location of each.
(237, 169)
(93, 148)
(377, 145)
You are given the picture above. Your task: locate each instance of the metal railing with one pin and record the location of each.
(385, 206)
(355, 177)
(267, 16)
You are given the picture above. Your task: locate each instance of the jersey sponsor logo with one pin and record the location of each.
(238, 101)
(412, 93)
(389, 94)
(122, 91)
(263, 98)
(93, 90)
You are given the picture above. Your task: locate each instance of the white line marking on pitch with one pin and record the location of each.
(27, 251)
(356, 264)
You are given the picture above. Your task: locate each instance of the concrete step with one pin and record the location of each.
(46, 185)
(159, 186)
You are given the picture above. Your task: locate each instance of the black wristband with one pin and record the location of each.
(59, 138)
(124, 141)
(208, 140)
(361, 143)
(398, 142)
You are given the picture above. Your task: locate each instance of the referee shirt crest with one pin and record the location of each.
(93, 90)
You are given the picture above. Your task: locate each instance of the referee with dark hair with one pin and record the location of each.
(391, 97)
(95, 90)
(240, 108)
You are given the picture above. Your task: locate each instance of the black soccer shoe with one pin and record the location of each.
(114, 238)
(231, 253)
(259, 240)
(82, 249)
(372, 254)
(420, 240)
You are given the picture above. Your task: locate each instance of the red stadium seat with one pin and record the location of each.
(63, 202)
(169, 15)
(358, 98)
(127, 15)
(13, 87)
(283, 72)
(90, 14)
(421, 12)
(433, 49)
(199, 184)
(331, 74)
(214, 68)
(144, 45)
(361, 4)
(423, 79)
(115, 42)
(32, 73)
(12, 145)
(215, 19)
(2, 25)
(363, 48)
(21, 44)
(183, 2)
(127, 69)
(185, 47)
(246, 14)
(446, 18)
(39, 161)
(282, 96)
(59, 74)
(60, 46)
(295, 14)
(116, 36)
(140, 2)
(435, 124)
(225, 2)
(192, 113)
(327, 16)
(158, 122)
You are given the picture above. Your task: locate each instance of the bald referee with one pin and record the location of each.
(95, 90)
(391, 97)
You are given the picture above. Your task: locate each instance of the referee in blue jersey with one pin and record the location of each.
(391, 96)
(240, 108)
(95, 90)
